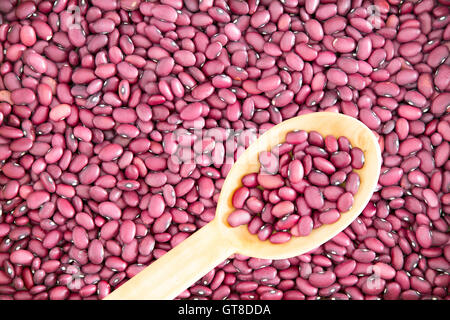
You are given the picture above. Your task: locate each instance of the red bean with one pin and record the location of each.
(127, 231)
(269, 181)
(240, 196)
(80, 237)
(110, 152)
(232, 31)
(269, 83)
(239, 217)
(165, 12)
(283, 208)
(21, 257)
(345, 202)
(280, 237)
(110, 210)
(156, 206)
(60, 112)
(37, 198)
(329, 217)
(191, 111)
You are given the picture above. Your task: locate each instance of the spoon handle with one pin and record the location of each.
(179, 268)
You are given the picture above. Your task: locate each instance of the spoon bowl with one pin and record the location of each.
(190, 260)
(326, 123)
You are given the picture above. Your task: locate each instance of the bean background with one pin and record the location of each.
(92, 93)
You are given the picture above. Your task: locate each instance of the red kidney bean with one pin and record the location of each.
(110, 210)
(37, 198)
(21, 257)
(305, 226)
(239, 217)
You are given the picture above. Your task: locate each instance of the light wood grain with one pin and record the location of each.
(193, 258)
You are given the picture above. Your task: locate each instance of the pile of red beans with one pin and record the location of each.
(302, 183)
(93, 184)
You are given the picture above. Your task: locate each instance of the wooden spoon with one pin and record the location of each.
(190, 260)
